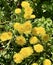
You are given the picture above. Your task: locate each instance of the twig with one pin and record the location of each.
(2, 23)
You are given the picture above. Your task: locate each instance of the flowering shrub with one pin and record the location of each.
(25, 37)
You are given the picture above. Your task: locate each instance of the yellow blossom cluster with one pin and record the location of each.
(21, 40)
(28, 10)
(6, 36)
(38, 31)
(25, 28)
(24, 53)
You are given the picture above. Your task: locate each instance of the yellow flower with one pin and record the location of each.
(28, 10)
(21, 29)
(27, 16)
(38, 48)
(17, 10)
(6, 36)
(25, 4)
(26, 52)
(34, 31)
(17, 58)
(41, 30)
(20, 40)
(45, 37)
(32, 16)
(33, 40)
(35, 64)
(27, 27)
(9, 35)
(18, 27)
(47, 62)
(38, 31)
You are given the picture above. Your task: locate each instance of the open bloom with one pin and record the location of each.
(27, 27)
(20, 40)
(47, 62)
(28, 10)
(6, 36)
(33, 40)
(38, 48)
(19, 27)
(16, 25)
(26, 51)
(27, 16)
(17, 10)
(17, 58)
(25, 4)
